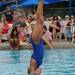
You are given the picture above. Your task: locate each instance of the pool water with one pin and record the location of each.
(56, 62)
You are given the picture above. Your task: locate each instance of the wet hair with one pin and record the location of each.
(12, 33)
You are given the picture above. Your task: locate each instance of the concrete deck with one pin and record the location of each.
(57, 44)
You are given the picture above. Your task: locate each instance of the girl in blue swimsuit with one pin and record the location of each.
(37, 44)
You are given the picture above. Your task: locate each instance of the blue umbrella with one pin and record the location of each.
(19, 6)
(32, 2)
(13, 6)
(53, 1)
(1, 3)
(21, 1)
(35, 2)
(9, 1)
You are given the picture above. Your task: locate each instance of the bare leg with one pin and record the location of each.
(32, 67)
(38, 30)
(17, 44)
(54, 34)
(11, 44)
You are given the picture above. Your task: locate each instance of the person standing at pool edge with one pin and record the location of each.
(37, 44)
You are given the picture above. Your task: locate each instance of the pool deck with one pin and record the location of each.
(57, 44)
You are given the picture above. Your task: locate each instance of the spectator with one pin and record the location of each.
(1, 24)
(73, 37)
(63, 27)
(5, 28)
(0, 38)
(55, 27)
(28, 28)
(8, 15)
(14, 39)
(22, 35)
(48, 37)
(72, 19)
(72, 24)
(68, 32)
(15, 16)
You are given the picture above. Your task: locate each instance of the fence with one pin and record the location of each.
(59, 11)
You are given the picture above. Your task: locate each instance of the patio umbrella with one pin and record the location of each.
(53, 1)
(32, 2)
(1, 3)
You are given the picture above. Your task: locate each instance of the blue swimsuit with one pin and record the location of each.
(38, 52)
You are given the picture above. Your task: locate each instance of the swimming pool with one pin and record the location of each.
(56, 62)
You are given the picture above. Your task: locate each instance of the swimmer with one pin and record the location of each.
(37, 43)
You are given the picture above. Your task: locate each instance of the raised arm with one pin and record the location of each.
(38, 30)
